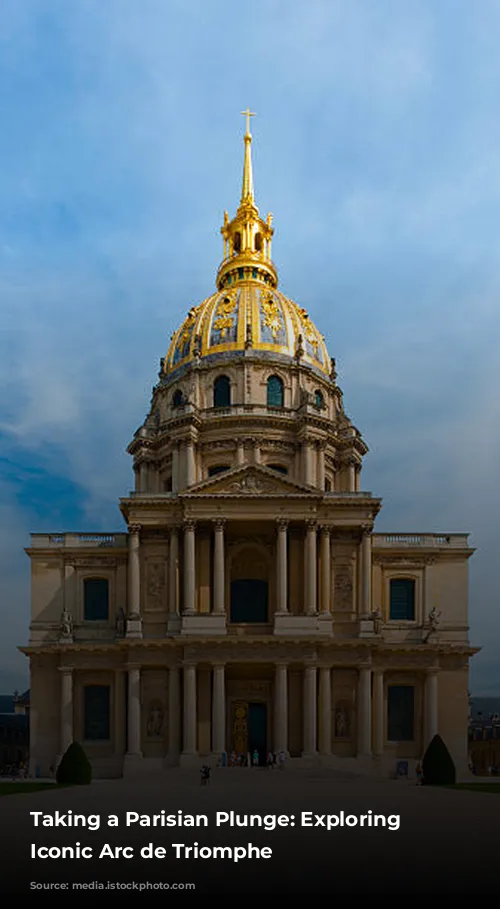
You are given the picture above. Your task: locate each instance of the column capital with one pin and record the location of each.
(134, 528)
(218, 664)
(281, 664)
(66, 670)
(311, 524)
(325, 529)
(282, 523)
(174, 528)
(131, 666)
(378, 670)
(188, 524)
(321, 444)
(366, 529)
(432, 670)
(219, 523)
(189, 664)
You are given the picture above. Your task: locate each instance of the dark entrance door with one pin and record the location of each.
(257, 730)
(248, 600)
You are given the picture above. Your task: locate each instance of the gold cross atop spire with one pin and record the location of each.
(247, 113)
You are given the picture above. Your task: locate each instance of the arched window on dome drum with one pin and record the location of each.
(258, 242)
(217, 468)
(95, 599)
(279, 468)
(178, 398)
(222, 392)
(319, 400)
(237, 243)
(275, 392)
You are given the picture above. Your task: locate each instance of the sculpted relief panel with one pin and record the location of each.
(343, 593)
(155, 585)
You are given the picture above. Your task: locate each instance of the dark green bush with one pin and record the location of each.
(74, 768)
(437, 766)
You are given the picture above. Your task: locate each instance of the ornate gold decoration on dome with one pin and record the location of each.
(225, 314)
(188, 325)
(272, 315)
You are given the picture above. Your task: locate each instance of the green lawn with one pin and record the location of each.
(478, 787)
(15, 788)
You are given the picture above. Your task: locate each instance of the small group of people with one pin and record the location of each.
(276, 759)
(205, 774)
(252, 759)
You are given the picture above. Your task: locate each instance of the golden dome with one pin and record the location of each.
(247, 312)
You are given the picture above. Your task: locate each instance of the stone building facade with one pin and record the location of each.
(250, 604)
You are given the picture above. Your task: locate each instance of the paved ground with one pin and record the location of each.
(447, 841)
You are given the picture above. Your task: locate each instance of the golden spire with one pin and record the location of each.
(247, 184)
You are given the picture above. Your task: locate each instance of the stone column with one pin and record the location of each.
(431, 705)
(326, 580)
(351, 476)
(190, 722)
(281, 708)
(66, 708)
(378, 712)
(134, 711)
(189, 568)
(143, 476)
(366, 572)
(175, 469)
(174, 714)
(219, 709)
(219, 583)
(120, 725)
(256, 451)
(325, 706)
(282, 567)
(307, 462)
(134, 571)
(173, 572)
(310, 573)
(320, 466)
(310, 710)
(364, 712)
(240, 452)
(190, 463)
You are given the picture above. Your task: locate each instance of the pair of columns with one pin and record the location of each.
(310, 569)
(189, 580)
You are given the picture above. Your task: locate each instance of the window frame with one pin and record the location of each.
(223, 375)
(104, 740)
(93, 576)
(276, 379)
(400, 684)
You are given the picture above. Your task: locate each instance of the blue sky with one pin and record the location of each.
(376, 147)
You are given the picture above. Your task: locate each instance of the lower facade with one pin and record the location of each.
(139, 708)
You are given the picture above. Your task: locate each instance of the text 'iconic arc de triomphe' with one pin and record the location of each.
(249, 605)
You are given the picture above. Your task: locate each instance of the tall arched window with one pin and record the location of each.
(222, 392)
(275, 392)
(319, 400)
(95, 599)
(177, 398)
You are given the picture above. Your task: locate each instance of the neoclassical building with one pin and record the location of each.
(249, 604)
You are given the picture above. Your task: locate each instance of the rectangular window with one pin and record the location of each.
(400, 713)
(95, 599)
(97, 713)
(402, 600)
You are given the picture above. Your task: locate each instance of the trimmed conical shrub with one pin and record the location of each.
(437, 766)
(74, 768)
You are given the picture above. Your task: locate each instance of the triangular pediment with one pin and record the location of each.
(250, 480)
